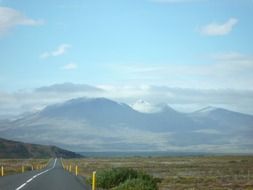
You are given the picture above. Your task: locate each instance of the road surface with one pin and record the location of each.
(54, 177)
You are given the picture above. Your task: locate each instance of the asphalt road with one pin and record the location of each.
(54, 177)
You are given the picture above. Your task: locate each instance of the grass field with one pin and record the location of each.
(178, 173)
(13, 166)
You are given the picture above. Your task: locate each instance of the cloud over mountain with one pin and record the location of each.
(153, 97)
(68, 88)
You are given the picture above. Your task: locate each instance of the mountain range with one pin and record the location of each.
(100, 124)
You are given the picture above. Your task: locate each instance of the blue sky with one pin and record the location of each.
(133, 44)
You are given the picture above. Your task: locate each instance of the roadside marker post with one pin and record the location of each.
(23, 169)
(94, 180)
(76, 170)
(2, 171)
(32, 167)
(70, 168)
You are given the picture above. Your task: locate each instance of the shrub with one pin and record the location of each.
(113, 177)
(137, 184)
(124, 178)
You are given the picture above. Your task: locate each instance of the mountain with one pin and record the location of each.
(14, 149)
(105, 113)
(219, 118)
(100, 124)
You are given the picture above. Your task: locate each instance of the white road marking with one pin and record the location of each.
(21, 186)
(55, 162)
(29, 180)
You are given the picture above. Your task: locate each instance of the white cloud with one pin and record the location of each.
(219, 29)
(10, 18)
(70, 66)
(208, 131)
(68, 87)
(226, 70)
(182, 99)
(60, 50)
(186, 87)
(234, 57)
(45, 55)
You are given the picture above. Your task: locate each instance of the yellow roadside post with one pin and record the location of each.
(94, 180)
(23, 169)
(70, 168)
(76, 170)
(2, 171)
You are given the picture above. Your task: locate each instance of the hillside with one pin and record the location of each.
(14, 149)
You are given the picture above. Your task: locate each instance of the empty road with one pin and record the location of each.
(54, 177)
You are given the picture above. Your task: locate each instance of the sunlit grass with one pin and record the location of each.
(221, 172)
(14, 166)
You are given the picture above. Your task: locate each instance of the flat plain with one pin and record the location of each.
(15, 166)
(180, 173)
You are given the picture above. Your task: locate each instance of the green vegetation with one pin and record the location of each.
(113, 177)
(124, 178)
(136, 184)
(177, 173)
(14, 166)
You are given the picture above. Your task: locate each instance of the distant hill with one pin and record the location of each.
(14, 149)
(100, 124)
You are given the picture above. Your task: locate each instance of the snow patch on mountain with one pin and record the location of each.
(146, 107)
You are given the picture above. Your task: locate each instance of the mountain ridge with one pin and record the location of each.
(100, 124)
(15, 149)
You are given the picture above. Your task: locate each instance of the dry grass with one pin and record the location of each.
(14, 166)
(180, 173)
